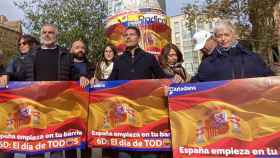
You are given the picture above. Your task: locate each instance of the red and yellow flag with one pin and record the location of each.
(42, 116)
(129, 115)
(239, 118)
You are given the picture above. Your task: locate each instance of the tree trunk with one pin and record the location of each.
(261, 14)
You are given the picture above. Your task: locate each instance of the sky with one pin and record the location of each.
(8, 9)
(173, 7)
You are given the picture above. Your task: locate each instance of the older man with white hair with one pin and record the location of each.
(229, 60)
(50, 62)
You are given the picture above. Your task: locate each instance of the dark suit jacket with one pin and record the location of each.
(142, 66)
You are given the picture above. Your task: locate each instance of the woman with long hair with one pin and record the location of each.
(171, 61)
(105, 66)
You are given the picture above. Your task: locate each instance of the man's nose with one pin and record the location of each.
(223, 37)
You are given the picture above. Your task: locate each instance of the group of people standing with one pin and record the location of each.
(47, 61)
(223, 59)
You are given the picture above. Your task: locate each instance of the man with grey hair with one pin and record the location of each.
(49, 35)
(229, 60)
(50, 62)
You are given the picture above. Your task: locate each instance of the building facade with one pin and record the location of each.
(10, 32)
(182, 37)
(116, 6)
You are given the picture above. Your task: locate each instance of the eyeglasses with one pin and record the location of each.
(22, 43)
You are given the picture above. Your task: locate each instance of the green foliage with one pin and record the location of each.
(75, 19)
(254, 19)
(221, 9)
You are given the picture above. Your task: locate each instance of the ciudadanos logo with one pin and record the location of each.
(181, 89)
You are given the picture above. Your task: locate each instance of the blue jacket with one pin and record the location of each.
(234, 63)
(82, 69)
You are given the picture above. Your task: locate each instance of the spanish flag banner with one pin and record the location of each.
(42, 116)
(238, 118)
(153, 24)
(129, 115)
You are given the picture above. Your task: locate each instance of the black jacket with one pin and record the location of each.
(142, 66)
(2, 70)
(15, 68)
(65, 65)
(234, 63)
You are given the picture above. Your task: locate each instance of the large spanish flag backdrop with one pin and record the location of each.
(153, 24)
(42, 116)
(129, 115)
(239, 118)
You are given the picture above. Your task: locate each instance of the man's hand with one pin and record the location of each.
(3, 81)
(84, 81)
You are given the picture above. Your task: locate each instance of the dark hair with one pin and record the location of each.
(30, 40)
(98, 72)
(136, 29)
(76, 41)
(80, 40)
(165, 52)
(114, 51)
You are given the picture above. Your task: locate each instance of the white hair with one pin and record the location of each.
(50, 25)
(55, 32)
(225, 24)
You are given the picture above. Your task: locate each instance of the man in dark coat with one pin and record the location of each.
(83, 71)
(229, 59)
(233, 64)
(135, 63)
(49, 62)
